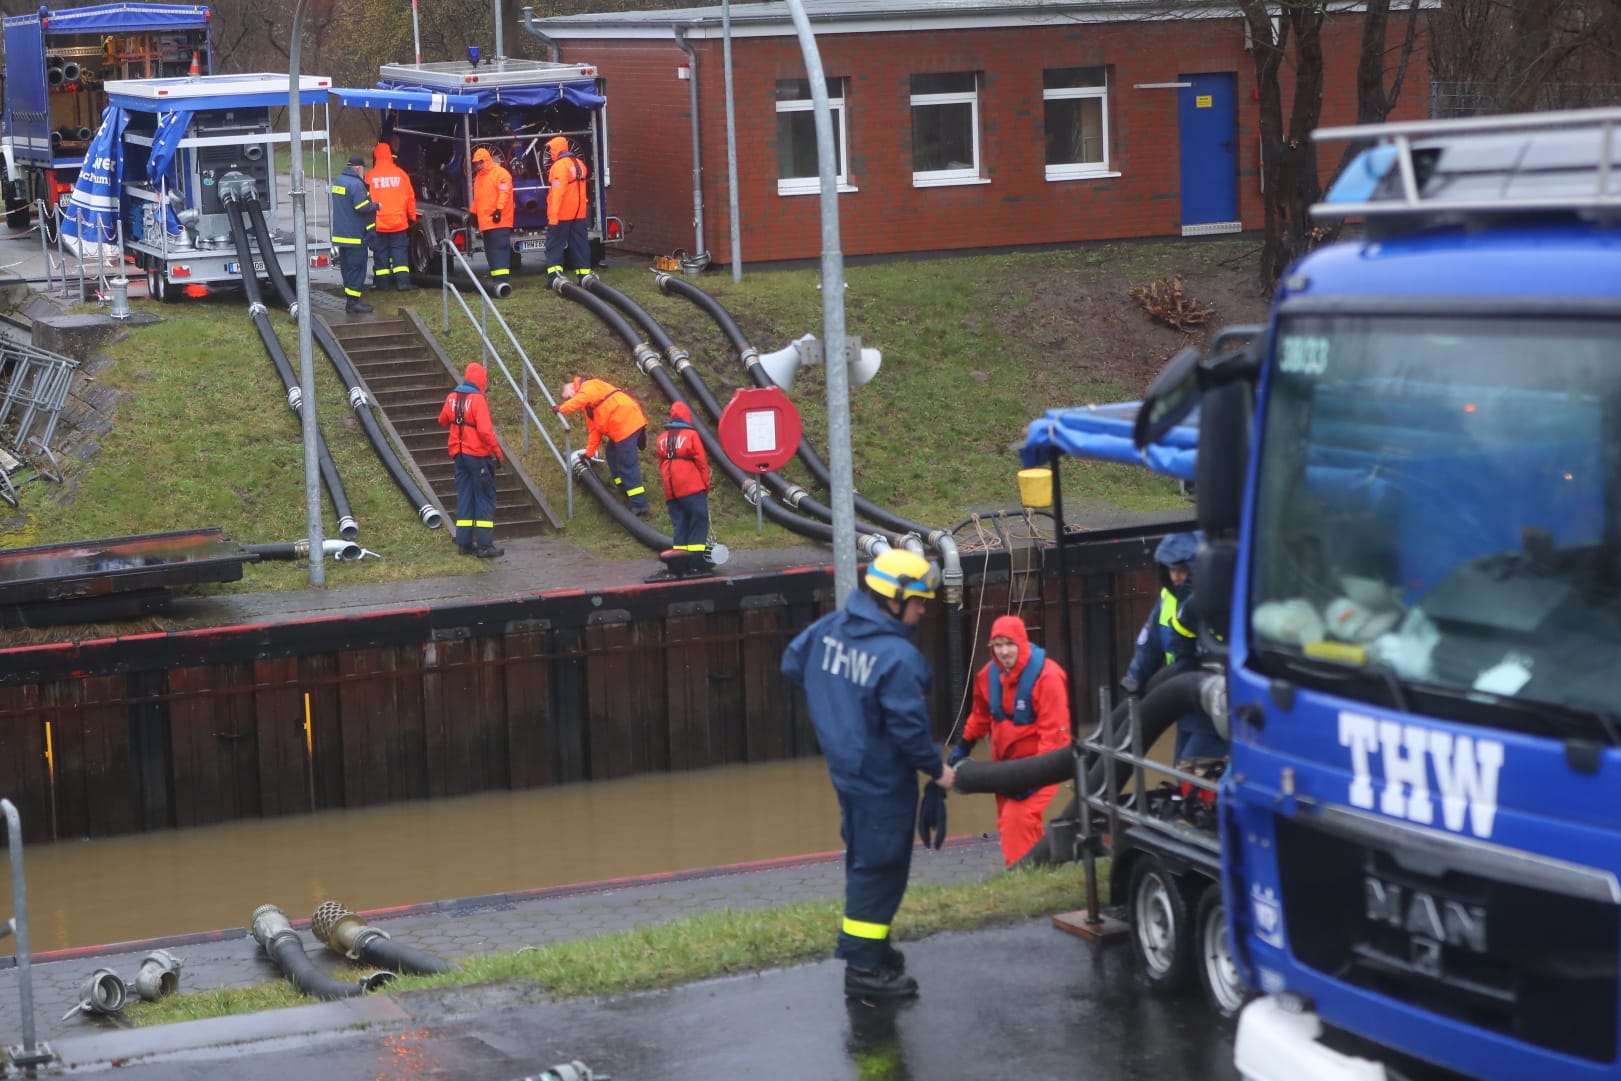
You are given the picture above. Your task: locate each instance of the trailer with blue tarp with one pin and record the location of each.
(168, 156)
(436, 115)
(58, 65)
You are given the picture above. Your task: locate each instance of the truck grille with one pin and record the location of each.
(1531, 964)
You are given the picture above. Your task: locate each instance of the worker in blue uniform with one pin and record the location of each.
(354, 223)
(867, 687)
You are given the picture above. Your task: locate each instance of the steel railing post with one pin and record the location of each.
(32, 1052)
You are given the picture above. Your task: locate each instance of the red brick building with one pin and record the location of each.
(959, 123)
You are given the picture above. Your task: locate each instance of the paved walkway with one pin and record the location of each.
(467, 927)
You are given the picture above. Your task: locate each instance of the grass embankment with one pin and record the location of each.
(696, 948)
(203, 437)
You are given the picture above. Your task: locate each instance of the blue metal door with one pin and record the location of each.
(1207, 132)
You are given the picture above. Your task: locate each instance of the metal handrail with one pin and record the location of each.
(447, 251)
(30, 1052)
(1110, 804)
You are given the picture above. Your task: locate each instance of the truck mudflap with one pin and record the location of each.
(1277, 1043)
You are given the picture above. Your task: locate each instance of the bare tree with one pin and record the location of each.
(1293, 38)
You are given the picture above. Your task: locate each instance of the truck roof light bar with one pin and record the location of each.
(1536, 163)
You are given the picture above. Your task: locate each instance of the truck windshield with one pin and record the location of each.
(1437, 513)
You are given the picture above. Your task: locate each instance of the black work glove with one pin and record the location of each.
(495, 216)
(931, 816)
(495, 463)
(961, 751)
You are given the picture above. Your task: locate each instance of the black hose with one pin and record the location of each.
(359, 401)
(348, 528)
(639, 530)
(282, 945)
(787, 491)
(386, 953)
(295, 964)
(805, 527)
(1166, 701)
(745, 351)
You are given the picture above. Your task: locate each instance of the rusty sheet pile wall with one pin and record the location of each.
(180, 730)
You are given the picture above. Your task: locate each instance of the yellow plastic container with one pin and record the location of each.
(1036, 487)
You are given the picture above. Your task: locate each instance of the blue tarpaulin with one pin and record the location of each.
(582, 93)
(90, 212)
(119, 18)
(406, 101)
(1104, 432)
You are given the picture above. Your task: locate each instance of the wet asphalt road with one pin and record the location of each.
(1027, 1002)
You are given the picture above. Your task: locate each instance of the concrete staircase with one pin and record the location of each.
(408, 376)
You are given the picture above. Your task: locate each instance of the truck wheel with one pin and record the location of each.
(158, 286)
(16, 215)
(1223, 987)
(1160, 933)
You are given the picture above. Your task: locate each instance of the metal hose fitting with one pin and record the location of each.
(159, 975)
(345, 933)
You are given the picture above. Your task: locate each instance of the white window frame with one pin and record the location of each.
(941, 178)
(812, 185)
(1081, 170)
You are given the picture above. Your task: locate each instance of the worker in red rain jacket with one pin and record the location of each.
(684, 469)
(568, 239)
(396, 203)
(1021, 699)
(478, 455)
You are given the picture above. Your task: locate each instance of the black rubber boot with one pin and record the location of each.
(894, 961)
(491, 552)
(465, 549)
(877, 983)
(357, 307)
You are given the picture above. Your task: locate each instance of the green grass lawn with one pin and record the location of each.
(203, 435)
(694, 948)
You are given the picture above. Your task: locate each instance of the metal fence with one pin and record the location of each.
(35, 388)
(1449, 100)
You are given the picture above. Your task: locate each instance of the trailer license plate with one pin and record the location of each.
(236, 268)
(531, 245)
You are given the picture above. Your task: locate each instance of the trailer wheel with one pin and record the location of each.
(17, 205)
(158, 286)
(1219, 979)
(1161, 936)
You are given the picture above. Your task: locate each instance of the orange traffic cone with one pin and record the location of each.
(196, 65)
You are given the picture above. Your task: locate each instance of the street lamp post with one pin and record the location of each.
(731, 141)
(306, 358)
(842, 480)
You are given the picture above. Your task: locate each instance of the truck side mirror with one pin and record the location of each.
(1224, 427)
(1213, 571)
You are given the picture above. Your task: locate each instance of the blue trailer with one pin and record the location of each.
(436, 114)
(58, 63)
(1409, 485)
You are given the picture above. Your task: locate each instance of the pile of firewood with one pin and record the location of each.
(1164, 301)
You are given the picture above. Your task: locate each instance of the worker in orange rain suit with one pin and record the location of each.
(568, 240)
(1021, 698)
(611, 415)
(478, 454)
(396, 212)
(492, 206)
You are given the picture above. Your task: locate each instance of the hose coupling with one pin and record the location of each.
(568, 1071)
(256, 309)
(647, 358)
(292, 309)
(358, 399)
(341, 931)
(103, 994)
(430, 516)
(754, 492)
(159, 975)
(678, 358)
(270, 924)
(750, 356)
(661, 278)
(295, 399)
(348, 528)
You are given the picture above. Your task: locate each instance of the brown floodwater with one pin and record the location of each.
(83, 893)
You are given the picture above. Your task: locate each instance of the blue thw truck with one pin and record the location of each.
(1409, 484)
(58, 62)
